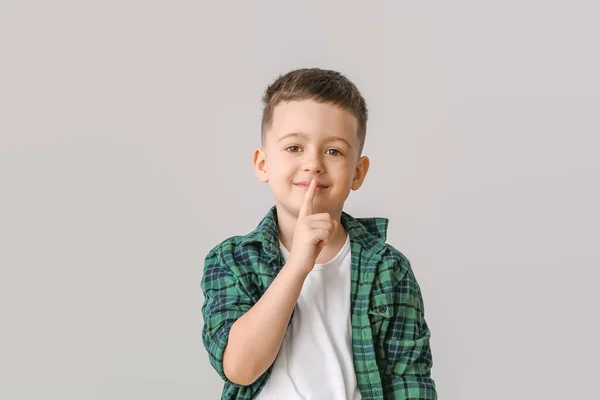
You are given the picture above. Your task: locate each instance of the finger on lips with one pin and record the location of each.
(306, 208)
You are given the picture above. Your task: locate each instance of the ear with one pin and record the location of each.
(362, 167)
(260, 165)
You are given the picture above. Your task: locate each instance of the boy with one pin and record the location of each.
(313, 304)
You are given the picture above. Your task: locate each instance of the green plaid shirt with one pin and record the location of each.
(390, 338)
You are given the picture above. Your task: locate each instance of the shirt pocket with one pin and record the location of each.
(408, 356)
(381, 305)
(381, 310)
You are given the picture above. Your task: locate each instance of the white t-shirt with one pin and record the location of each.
(315, 361)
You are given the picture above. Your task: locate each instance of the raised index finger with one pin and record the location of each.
(307, 203)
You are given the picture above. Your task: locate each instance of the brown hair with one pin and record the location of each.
(320, 85)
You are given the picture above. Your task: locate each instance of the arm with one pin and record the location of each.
(248, 336)
(408, 347)
(242, 338)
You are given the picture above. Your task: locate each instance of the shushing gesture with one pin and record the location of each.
(312, 232)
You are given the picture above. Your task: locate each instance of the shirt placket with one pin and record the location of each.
(364, 264)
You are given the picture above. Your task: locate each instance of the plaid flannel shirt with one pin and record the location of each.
(390, 338)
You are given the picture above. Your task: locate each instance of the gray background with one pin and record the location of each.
(127, 131)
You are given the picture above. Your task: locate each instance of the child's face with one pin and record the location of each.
(309, 140)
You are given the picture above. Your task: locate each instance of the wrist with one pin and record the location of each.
(296, 268)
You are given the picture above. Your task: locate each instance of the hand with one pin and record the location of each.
(312, 233)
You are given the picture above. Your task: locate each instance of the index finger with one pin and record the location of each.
(307, 203)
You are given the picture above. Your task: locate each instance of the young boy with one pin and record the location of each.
(313, 304)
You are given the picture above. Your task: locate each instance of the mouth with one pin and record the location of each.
(304, 186)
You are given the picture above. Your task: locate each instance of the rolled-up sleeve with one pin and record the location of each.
(407, 343)
(225, 301)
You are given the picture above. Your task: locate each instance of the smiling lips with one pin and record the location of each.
(305, 185)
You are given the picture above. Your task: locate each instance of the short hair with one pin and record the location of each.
(325, 86)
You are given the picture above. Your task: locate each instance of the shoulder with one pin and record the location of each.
(239, 259)
(225, 248)
(396, 260)
(406, 287)
(233, 251)
(233, 266)
(394, 271)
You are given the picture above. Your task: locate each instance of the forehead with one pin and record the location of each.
(314, 119)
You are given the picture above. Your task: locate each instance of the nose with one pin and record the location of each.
(312, 162)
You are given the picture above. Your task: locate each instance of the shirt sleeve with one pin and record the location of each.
(225, 300)
(408, 345)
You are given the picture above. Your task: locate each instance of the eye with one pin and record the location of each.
(293, 149)
(336, 152)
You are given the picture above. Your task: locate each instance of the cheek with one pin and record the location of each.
(282, 166)
(279, 169)
(345, 178)
(343, 171)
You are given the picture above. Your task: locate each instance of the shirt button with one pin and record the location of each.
(382, 308)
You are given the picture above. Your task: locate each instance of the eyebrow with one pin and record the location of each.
(304, 135)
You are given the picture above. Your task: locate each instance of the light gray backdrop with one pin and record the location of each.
(127, 131)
